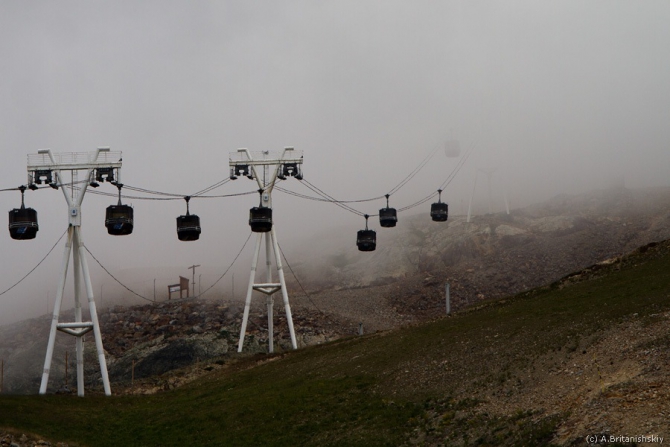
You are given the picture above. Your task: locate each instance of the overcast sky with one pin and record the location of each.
(558, 97)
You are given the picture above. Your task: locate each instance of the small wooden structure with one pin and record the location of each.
(183, 285)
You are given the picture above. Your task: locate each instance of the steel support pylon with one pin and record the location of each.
(75, 248)
(266, 178)
(268, 288)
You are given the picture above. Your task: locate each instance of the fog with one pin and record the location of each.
(556, 97)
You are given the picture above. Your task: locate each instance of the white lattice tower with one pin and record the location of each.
(265, 167)
(51, 166)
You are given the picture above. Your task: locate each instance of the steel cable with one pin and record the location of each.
(38, 264)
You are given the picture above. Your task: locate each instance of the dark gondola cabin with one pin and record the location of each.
(366, 240)
(188, 226)
(119, 218)
(260, 219)
(388, 217)
(23, 221)
(439, 211)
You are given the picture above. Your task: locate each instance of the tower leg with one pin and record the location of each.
(284, 292)
(247, 302)
(94, 315)
(77, 313)
(506, 201)
(472, 196)
(56, 313)
(269, 299)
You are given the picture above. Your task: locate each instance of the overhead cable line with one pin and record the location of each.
(115, 279)
(416, 170)
(322, 193)
(229, 267)
(125, 196)
(343, 203)
(300, 284)
(173, 196)
(322, 199)
(212, 187)
(448, 180)
(325, 197)
(328, 198)
(150, 300)
(38, 264)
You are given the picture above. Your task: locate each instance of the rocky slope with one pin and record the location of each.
(148, 341)
(492, 256)
(401, 283)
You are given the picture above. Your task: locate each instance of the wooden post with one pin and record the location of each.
(2, 374)
(132, 375)
(448, 298)
(66, 368)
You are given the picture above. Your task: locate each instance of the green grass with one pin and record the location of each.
(365, 390)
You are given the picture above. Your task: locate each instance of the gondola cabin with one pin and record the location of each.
(23, 223)
(119, 220)
(260, 219)
(388, 217)
(188, 228)
(366, 240)
(439, 211)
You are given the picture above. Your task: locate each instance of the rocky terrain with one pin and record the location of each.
(400, 283)
(492, 256)
(147, 341)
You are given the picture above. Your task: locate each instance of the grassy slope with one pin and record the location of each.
(372, 390)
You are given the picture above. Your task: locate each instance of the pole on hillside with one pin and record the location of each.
(65, 370)
(448, 298)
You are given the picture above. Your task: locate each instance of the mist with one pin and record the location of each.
(554, 98)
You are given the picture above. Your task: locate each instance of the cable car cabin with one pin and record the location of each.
(366, 240)
(188, 227)
(260, 219)
(439, 211)
(23, 223)
(388, 217)
(119, 220)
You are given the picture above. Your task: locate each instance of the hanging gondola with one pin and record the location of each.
(439, 211)
(119, 218)
(366, 240)
(23, 221)
(188, 226)
(388, 217)
(260, 217)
